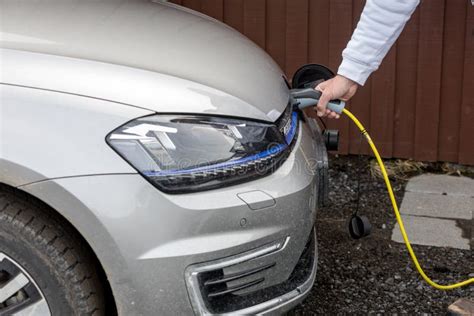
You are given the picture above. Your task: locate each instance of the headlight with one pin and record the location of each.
(184, 153)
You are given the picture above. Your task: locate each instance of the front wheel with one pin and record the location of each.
(44, 268)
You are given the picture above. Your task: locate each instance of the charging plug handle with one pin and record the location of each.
(310, 97)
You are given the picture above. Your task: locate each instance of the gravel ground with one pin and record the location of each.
(375, 275)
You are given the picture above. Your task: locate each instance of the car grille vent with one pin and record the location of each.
(218, 286)
(226, 293)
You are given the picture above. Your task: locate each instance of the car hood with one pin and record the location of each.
(161, 38)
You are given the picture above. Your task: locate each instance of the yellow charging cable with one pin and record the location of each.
(397, 213)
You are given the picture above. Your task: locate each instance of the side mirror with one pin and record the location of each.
(309, 74)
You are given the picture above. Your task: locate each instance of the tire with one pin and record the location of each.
(51, 256)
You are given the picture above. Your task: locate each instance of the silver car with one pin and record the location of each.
(151, 163)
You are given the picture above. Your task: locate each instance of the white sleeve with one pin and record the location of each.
(379, 26)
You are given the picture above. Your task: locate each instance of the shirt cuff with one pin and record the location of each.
(355, 71)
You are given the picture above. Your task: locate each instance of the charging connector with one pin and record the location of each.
(307, 97)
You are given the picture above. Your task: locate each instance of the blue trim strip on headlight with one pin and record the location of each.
(261, 155)
(291, 133)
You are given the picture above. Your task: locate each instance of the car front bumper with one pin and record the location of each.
(151, 245)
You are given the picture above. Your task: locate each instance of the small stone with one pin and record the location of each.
(389, 281)
(384, 226)
(397, 277)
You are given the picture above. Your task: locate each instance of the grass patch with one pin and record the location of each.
(403, 169)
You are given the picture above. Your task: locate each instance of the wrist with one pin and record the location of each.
(354, 70)
(347, 81)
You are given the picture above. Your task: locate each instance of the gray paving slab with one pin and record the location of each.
(439, 183)
(431, 232)
(436, 205)
(462, 307)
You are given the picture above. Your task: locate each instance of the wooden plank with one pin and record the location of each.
(360, 103)
(214, 8)
(234, 14)
(276, 31)
(405, 97)
(192, 4)
(296, 35)
(430, 45)
(340, 30)
(381, 111)
(452, 75)
(318, 35)
(466, 144)
(318, 32)
(254, 21)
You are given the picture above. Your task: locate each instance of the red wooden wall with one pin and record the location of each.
(419, 104)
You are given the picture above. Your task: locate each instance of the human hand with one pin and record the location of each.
(338, 87)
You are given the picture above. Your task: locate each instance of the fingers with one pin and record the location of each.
(321, 107)
(331, 114)
(322, 85)
(330, 90)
